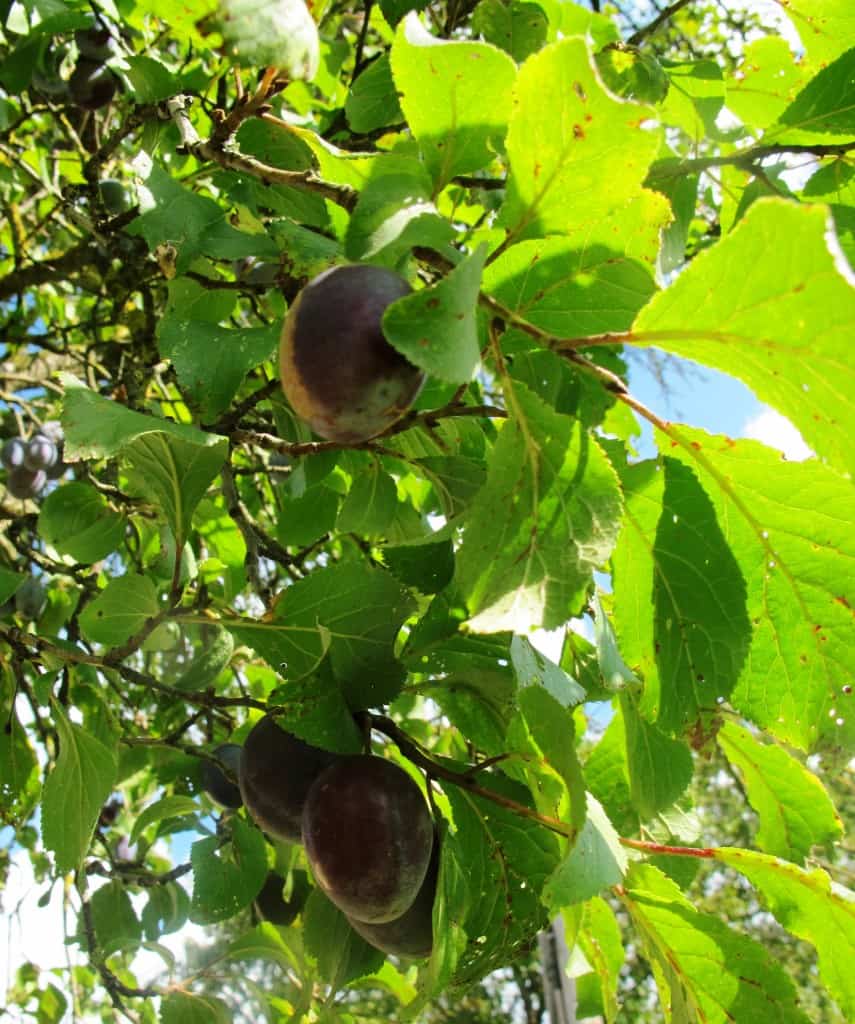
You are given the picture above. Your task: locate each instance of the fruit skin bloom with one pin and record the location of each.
(338, 371)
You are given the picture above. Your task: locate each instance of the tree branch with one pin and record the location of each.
(641, 34)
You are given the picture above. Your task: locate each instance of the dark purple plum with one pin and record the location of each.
(13, 454)
(368, 835)
(92, 84)
(276, 772)
(411, 934)
(271, 903)
(217, 782)
(41, 453)
(25, 483)
(338, 371)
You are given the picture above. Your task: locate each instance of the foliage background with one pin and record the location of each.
(565, 186)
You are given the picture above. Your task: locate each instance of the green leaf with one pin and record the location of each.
(534, 669)
(794, 809)
(170, 462)
(151, 81)
(75, 791)
(116, 924)
(787, 525)
(342, 956)
(600, 941)
(166, 911)
(660, 768)
(351, 611)
(722, 975)
(519, 29)
(545, 518)
(812, 907)
(212, 659)
(264, 942)
(9, 583)
(456, 97)
(595, 862)
(691, 650)
(613, 670)
(372, 101)
(186, 1008)
(567, 291)
(120, 610)
(78, 521)
(826, 27)
(498, 851)
(768, 81)
(569, 137)
(315, 710)
(695, 97)
(227, 878)
(370, 504)
(436, 327)
(167, 807)
(272, 33)
(764, 328)
(395, 212)
(449, 911)
(632, 73)
(607, 776)
(212, 361)
(427, 567)
(825, 104)
(19, 769)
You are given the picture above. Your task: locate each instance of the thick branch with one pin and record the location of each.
(746, 158)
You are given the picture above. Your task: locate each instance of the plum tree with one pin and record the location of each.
(368, 836)
(338, 371)
(276, 772)
(216, 783)
(411, 934)
(271, 904)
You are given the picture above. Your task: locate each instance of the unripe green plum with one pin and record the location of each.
(115, 197)
(276, 772)
(368, 835)
(411, 934)
(338, 371)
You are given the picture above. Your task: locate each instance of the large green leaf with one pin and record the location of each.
(170, 463)
(826, 103)
(456, 97)
(78, 521)
(660, 768)
(764, 327)
(826, 27)
(595, 862)
(789, 528)
(569, 137)
(227, 878)
(185, 1008)
(795, 811)
(544, 520)
(120, 610)
(600, 940)
(672, 552)
(723, 976)
(567, 291)
(75, 791)
(768, 81)
(351, 612)
(811, 906)
(341, 954)
(277, 33)
(211, 361)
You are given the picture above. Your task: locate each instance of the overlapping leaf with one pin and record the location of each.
(545, 518)
(788, 526)
(568, 137)
(795, 811)
(763, 327)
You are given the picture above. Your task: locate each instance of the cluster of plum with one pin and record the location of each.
(30, 464)
(364, 822)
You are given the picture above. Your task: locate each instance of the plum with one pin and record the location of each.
(368, 835)
(216, 783)
(338, 371)
(276, 772)
(92, 84)
(411, 934)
